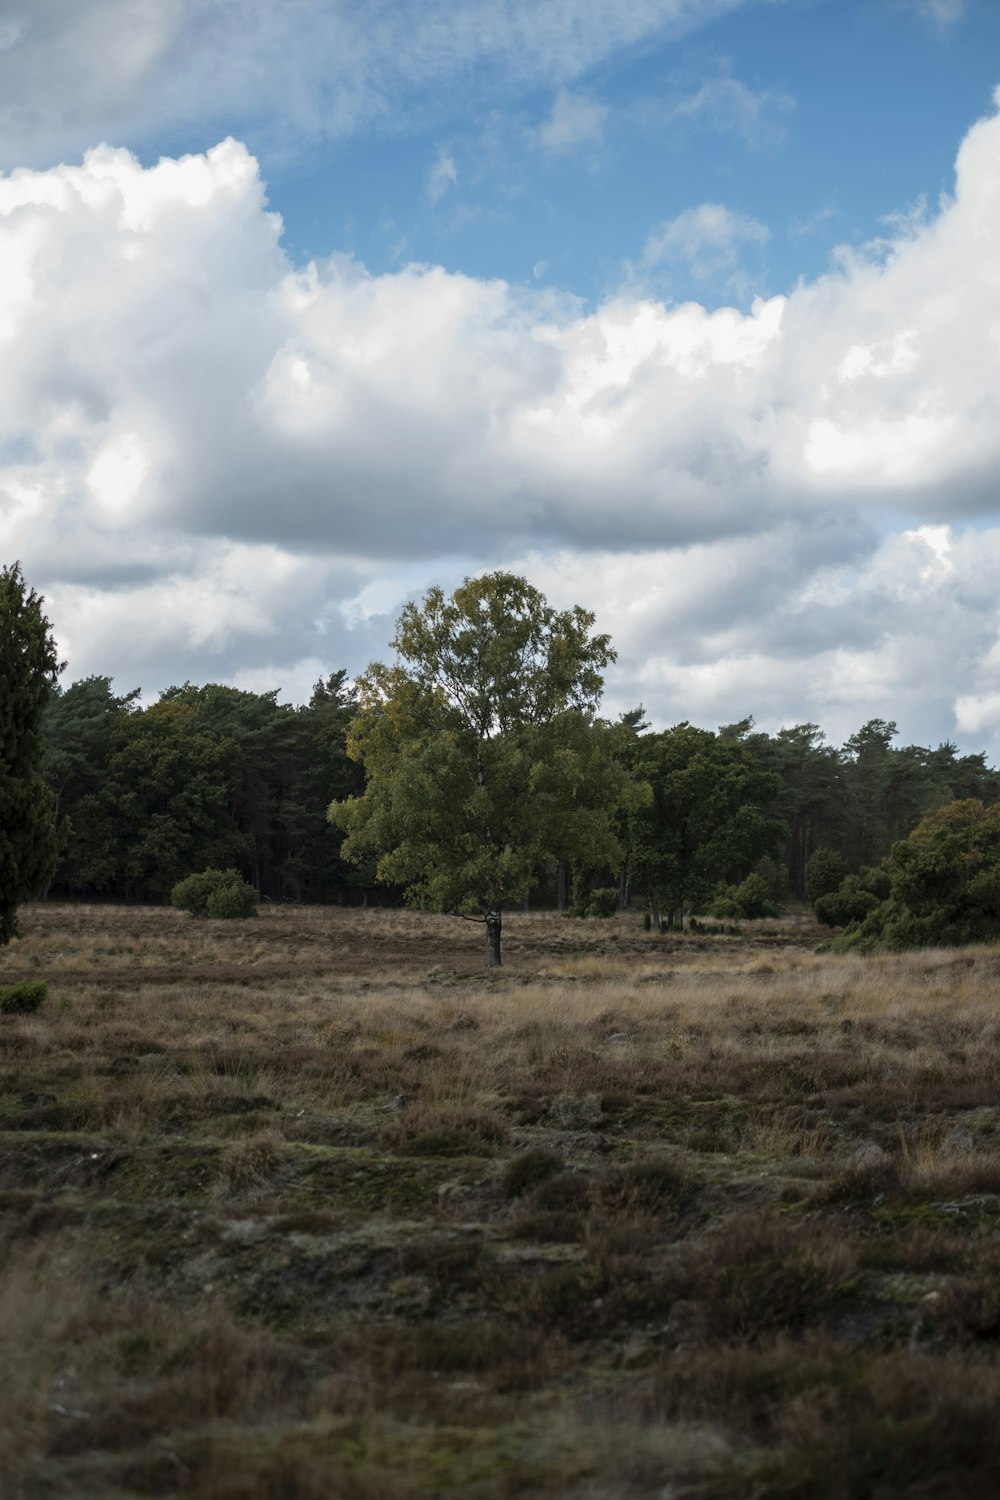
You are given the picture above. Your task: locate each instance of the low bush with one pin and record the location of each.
(526, 1170)
(726, 908)
(215, 893)
(751, 898)
(824, 872)
(943, 886)
(851, 902)
(603, 902)
(24, 998)
(589, 900)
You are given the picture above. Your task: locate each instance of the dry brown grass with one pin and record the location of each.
(311, 1206)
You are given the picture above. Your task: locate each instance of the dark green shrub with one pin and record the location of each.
(726, 908)
(877, 880)
(824, 872)
(589, 900)
(754, 896)
(233, 901)
(580, 895)
(851, 902)
(192, 894)
(215, 893)
(603, 901)
(24, 998)
(945, 881)
(751, 898)
(775, 878)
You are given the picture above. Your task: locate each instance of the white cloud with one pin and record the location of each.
(71, 74)
(207, 455)
(942, 13)
(443, 175)
(729, 106)
(576, 120)
(708, 239)
(800, 624)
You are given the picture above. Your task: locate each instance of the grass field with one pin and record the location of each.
(307, 1207)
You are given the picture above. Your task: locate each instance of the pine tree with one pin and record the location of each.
(28, 672)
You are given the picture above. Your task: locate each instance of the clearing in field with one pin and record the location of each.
(307, 1206)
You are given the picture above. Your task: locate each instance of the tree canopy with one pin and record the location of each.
(29, 668)
(709, 820)
(484, 756)
(944, 883)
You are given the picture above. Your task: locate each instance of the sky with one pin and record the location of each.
(689, 310)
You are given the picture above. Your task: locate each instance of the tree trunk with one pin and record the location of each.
(562, 885)
(623, 888)
(493, 922)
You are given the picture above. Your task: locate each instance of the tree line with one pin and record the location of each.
(473, 775)
(216, 776)
(206, 777)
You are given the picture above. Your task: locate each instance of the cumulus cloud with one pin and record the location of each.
(576, 120)
(214, 462)
(801, 623)
(71, 74)
(709, 240)
(729, 106)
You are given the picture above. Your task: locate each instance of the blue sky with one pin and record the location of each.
(687, 309)
(814, 120)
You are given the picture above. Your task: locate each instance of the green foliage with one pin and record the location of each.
(751, 898)
(824, 872)
(236, 900)
(876, 878)
(82, 728)
(725, 906)
(207, 776)
(603, 901)
(485, 761)
(708, 822)
(217, 776)
(173, 785)
(944, 883)
(215, 893)
(591, 900)
(859, 800)
(850, 902)
(289, 763)
(23, 998)
(28, 671)
(773, 873)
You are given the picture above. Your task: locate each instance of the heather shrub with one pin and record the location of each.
(215, 893)
(23, 998)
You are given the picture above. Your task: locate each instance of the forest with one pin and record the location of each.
(215, 776)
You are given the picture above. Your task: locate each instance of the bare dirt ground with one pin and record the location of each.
(310, 1206)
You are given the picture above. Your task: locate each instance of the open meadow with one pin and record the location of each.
(309, 1206)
